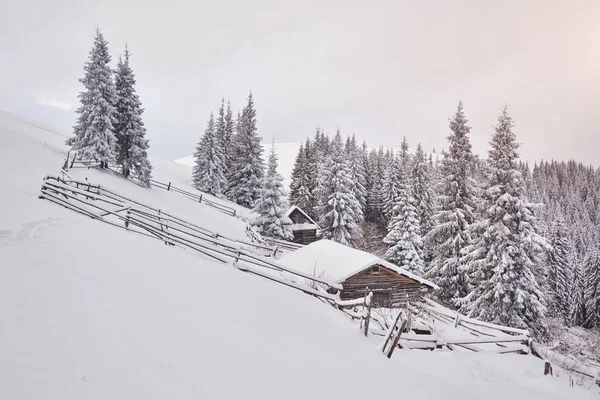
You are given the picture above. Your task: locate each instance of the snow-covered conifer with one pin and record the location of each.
(94, 137)
(338, 208)
(247, 168)
(507, 249)
(591, 285)
(404, 236)
(422, 189)
(559, 270)
(208, 173)
(271, 206)
(130, 132)
(450, 233)
(301, 190)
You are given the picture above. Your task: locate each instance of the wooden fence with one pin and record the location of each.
(200, 198)
(103, 204)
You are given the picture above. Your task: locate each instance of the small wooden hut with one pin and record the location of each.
(304, 228)
(357, 270)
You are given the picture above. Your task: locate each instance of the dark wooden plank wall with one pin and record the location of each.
(390, 289)
(306, 236)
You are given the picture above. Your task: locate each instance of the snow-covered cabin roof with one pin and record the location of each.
(311, 225)
(337, 262)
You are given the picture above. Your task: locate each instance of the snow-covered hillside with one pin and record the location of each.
(92, 311)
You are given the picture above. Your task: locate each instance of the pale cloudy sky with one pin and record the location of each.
(379, 69)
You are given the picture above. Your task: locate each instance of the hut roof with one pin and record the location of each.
(311, 225)
(337, 262)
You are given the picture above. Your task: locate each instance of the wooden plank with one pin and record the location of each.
(397, 338)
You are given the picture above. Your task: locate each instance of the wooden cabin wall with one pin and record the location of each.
(389, 288)
(306, 236)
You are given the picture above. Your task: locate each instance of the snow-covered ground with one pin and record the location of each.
(89, 311)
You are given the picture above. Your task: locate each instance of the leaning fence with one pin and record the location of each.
(103, 204)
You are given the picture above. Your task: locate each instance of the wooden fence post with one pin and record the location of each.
(368, 301)
(391, 331)
(127, 218)
(547, 368)
(73, 162)
(200, 198)
(397, 338)
(169, 187)
(66, 164)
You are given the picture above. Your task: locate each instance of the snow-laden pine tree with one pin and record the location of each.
(208, 173)
(508, 246)
(94, 137)
(354, 156)
(559, 270)
(450, 234)
(301, 190)
(392, 181)
(271, 206)
(591, 286)
(422, 190)
(404, 233)
(130, 132)
(227, 140)
(247, 168)
(577, 295)
(338, 209)
(375, 209)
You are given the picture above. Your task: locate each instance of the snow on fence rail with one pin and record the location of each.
(568, 363)
(162, 185)
(201, 198)
(95, 202)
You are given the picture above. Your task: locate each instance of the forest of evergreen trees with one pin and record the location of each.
(506, 243)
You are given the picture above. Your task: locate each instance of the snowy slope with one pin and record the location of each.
(92, 311)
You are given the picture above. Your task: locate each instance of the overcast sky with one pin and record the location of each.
(379, 69)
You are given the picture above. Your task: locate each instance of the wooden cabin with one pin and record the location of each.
(357, 270)
(304, 228)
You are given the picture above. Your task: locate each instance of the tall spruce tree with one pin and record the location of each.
(503, 257)
(450, 234)
(208, 173)
(338, 208)
(271, 207)
(577, 296)
(247, 168)
(422, 189)
(94, 137)
(559, 270)
(227, 141)
(301, 190)
(375, 209)
(591, 286)
(392, 182)
(358, 171)
(130, 132)
(404, 236)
